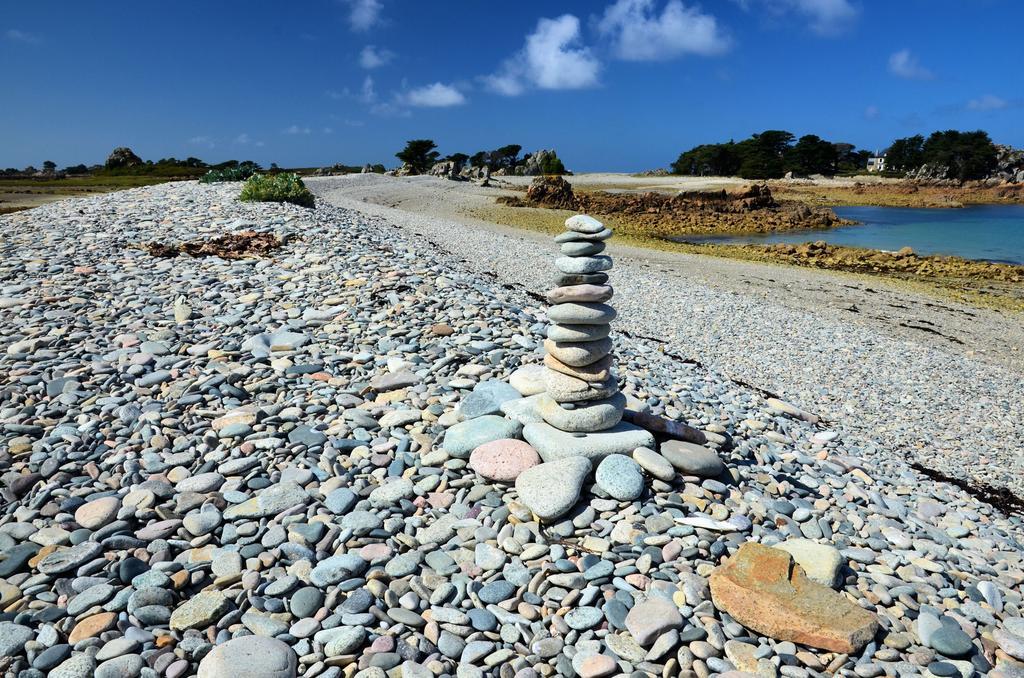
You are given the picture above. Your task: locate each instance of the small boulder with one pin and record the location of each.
(551, 489)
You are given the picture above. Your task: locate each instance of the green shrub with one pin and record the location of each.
(277, 188)
(239, 173)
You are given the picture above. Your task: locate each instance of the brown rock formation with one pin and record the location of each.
(763, 589)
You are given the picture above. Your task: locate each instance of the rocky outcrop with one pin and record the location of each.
(553, 192)
(446, 169)
(763, 589)
(122, 156)
(534, 164)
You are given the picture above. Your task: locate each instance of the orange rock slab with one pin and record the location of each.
(764, 590)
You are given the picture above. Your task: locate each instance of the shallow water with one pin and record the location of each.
(987, 232)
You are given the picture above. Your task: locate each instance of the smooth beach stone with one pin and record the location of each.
(595, 264)
(552, 444)
(568, 279)
(503, 460)
(822, 563)
(581, 248)
(250, 656)
(486, 398)
(655, 464)
(620, 477)
(583, 223)
(578, 353)
(595, 372)
(692, 459)
(580, 294)
(460, 440)
(566, 389)
(651, 618)
(97, 513)
(571, 313)
(587, 417)
(578, 333)
(528, 380)
(551, 489)
(526, 409)
(576, 235)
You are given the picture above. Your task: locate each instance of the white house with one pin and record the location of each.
(876, 164)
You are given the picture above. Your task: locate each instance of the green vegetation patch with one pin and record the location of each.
(241, 172)
(282, 187)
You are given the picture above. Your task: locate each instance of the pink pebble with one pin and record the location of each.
(503, 460)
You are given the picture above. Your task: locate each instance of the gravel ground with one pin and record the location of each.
(242, 468)
(956, 406)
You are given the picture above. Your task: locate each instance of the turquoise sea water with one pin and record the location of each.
(987, 232)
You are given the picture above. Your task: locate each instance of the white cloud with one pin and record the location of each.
(552, 58)
(368, 94)
(15, 35)
(202, 141)
(371, 57)
(364, 14)
(871, 112)
(295, 129)
(436, 95)
(336, 95)
(828, 17)
(328, 130)
(903, 64)
(989, 102)
(640, 34)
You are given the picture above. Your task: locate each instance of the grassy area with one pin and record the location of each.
(978, 291)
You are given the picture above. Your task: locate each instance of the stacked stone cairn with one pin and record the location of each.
(582, 406)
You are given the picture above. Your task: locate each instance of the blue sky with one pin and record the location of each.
(619, 85)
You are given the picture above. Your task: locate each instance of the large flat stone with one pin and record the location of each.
(583, 223)
(250, 656)
(566, 389)
(598, 371)
(595, 264)
(551, 489)
(821, 562)
(576, 353)
(763, 589)
(581, 333)
(460, 440)
(552, 444)
(693, 460)
(585, 417)
(568, 236)
(572, 313)
(580, 293)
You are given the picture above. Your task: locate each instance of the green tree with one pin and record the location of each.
(812, 155)
(49, 166)
(505, 157)
(906, 154)
(967, 155)
(552, 164)
(458, 158)
(478, 159)
(419, 154)
(708, 160)
(764, 155)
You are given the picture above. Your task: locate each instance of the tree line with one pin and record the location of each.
(421, 155)
(773, 153)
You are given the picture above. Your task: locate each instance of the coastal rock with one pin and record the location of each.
(578, 333)
(566, 389)
(460, 440)
(594, 264)
(572, 313)
(586, 417)
(528, 380)
(503, 460)
(551, 489)
(763, 589)
(583, 223)
(581, 248)
(620, 477)
(578, 354)
(595, 372)
(822, 563)
(693, 460)
(552, 444)
(487, 398)
(651, 618)
(580, 293)
(250, 656)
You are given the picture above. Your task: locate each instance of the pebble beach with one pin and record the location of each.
(248, 468)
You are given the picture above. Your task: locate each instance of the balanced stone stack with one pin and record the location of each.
(582, 407)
